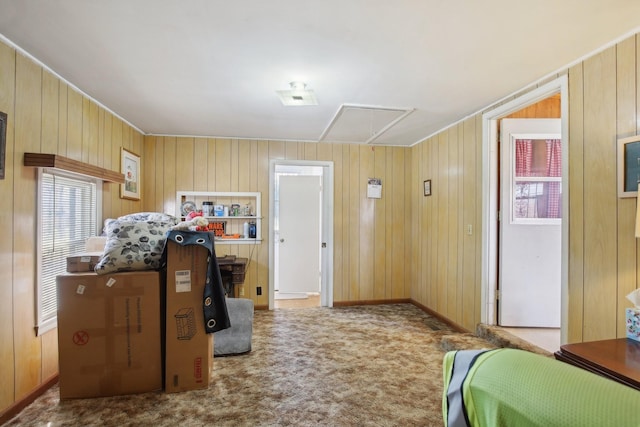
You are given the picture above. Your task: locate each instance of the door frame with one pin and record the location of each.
(490, 179)
(326, 262)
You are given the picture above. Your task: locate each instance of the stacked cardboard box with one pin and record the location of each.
(188, 348)
(83, 263)
(132, 332)
(109, 333)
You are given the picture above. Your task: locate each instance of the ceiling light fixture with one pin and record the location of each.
(298, 95)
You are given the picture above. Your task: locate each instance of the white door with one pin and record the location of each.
(298, 237)
(530, 223)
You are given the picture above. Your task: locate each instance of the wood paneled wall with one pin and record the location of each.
(603, 252)
(44, 115)
(372, 237)
(604, 259)
(446, 225)
(403, 245)
(546, 109)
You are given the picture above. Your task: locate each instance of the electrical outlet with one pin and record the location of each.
(259, 290)
(241, 291)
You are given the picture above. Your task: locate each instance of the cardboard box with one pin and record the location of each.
(109, 334)
(82, 263)
(188, 349)
(633, 323)
(95, 244)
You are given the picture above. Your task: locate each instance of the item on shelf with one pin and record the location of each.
(245, 230)
(187, 207)
(230, 210)
(207, 208)
(193, 222)
(218, 228)
(230, 236)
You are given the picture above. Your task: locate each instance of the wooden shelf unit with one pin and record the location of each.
(234, 223)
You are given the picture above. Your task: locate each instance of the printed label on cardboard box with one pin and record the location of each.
(185, 323)
(197, 369)
(183, 281)
(80, 337)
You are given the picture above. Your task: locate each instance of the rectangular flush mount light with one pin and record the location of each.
(297, 95)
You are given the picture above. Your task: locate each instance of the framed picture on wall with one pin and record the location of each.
(130, 168)
(427, 187)
(628, 166)
(3, 142)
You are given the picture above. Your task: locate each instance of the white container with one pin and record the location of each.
(245, 230)
(207, 208)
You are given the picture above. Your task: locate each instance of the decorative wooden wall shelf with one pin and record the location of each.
(41, 160)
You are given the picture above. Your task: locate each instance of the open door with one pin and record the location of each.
(530, 223)
(299, 234)
(309, 205)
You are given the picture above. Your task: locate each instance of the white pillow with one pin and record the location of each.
(133, 245)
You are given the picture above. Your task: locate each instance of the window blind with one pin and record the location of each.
(68, 216)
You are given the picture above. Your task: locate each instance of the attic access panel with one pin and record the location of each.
(362, 124)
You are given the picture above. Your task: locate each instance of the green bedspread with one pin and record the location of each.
(508, 387)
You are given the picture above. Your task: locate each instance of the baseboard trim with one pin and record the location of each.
(18, 406)
(371, 302)
(440, 317)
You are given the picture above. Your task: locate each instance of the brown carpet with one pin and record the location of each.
(353, 366)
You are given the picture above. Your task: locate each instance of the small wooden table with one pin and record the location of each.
(616, 359)
(232, 270)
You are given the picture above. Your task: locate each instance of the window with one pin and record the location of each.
(537, 181)
(68, 206)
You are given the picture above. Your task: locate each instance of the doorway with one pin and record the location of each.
(530, 223)
(300, 234)
(491, 197)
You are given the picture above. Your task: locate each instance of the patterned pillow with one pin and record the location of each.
(149, 216)
(141, 216)
(133, 246)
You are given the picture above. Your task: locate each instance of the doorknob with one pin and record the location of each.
(281, 240)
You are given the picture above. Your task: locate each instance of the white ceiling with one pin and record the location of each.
(212, 67)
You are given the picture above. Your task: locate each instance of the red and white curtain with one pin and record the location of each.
(524, 157)
(524, 160)
(554, 169)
